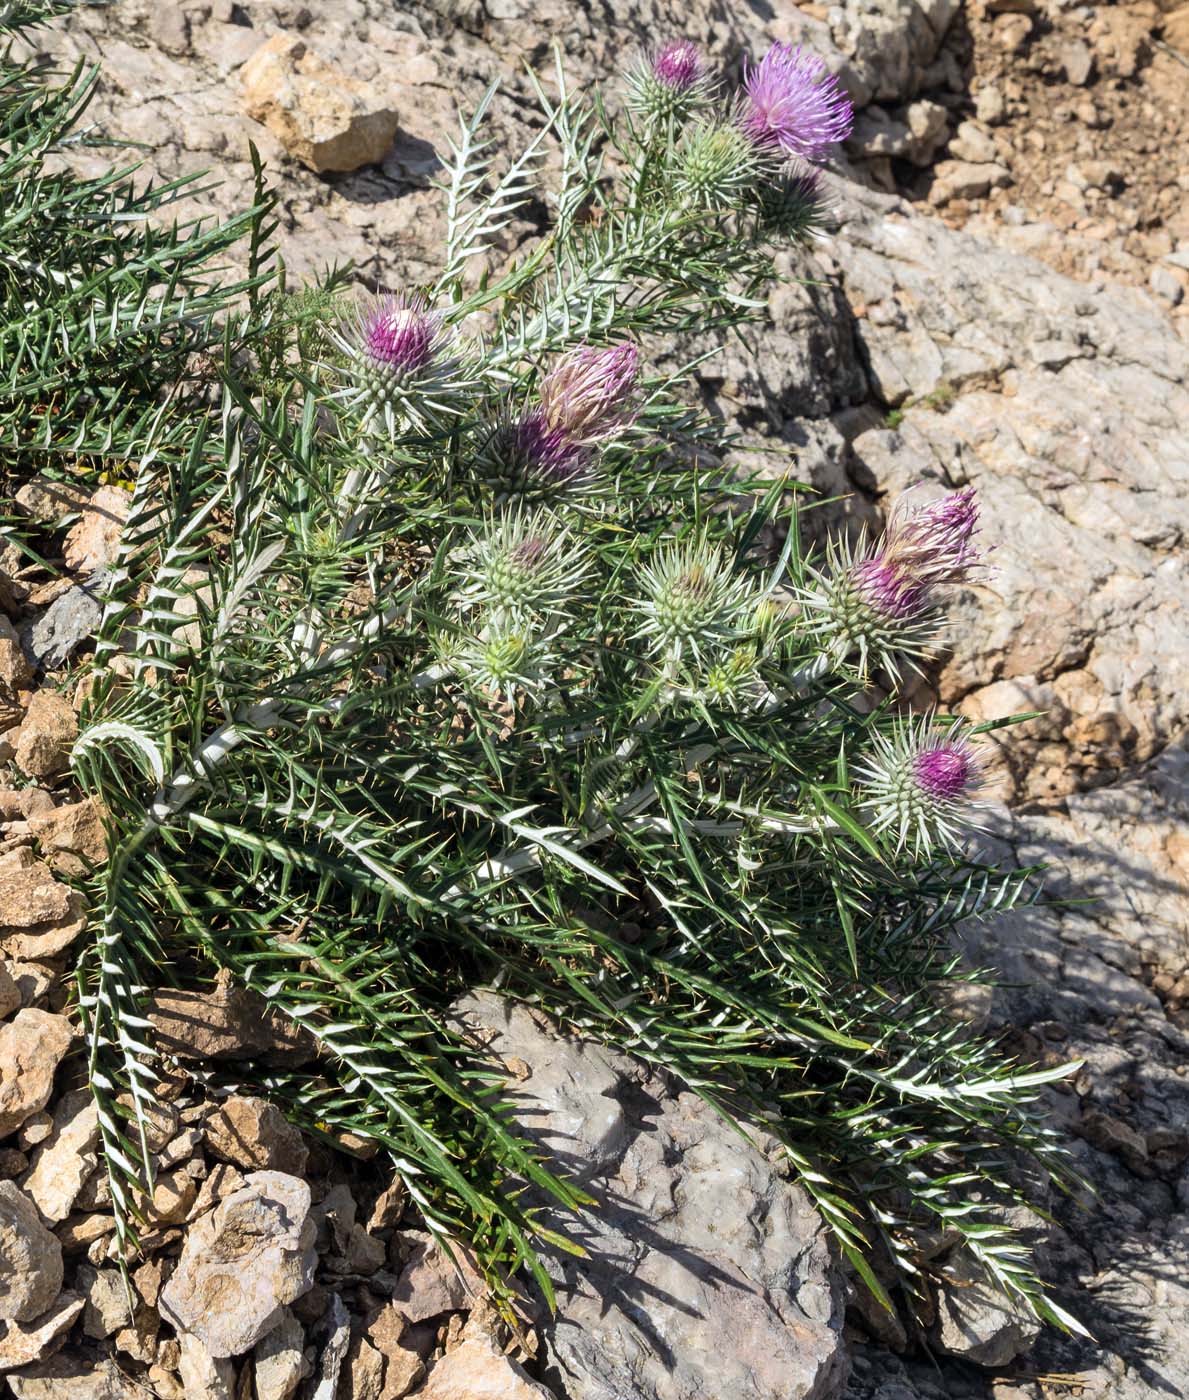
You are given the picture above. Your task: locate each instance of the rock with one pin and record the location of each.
(404, 1366)
(321, 116)
(976, 1322)
(204, 1376)
(30, 1258)
(755, 1315)
(364, 1371)
(1165, 283)
(242, 1264)
(39, 916)
(1077, 62)
(255, 1134)
(49, 502)
(336, 1327)
(73, 1378)
(15, 671)
(278, 1361)
(70, 620)
(477, 1370)
(959, 179)
(226, 1022)
(430, 1283)
(71, 837)
(174, 1194)
(92, 541)
(989, 105)
(106, 1309)
(67, 1159)
(48, 730)
(972, 145)
(10, 993)
(24, 1342)
(32, 1045)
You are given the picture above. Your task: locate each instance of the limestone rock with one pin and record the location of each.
(30, 1258)
(73, 1378)
(49, 502)
(226, 1022)
(204, 1376)
(976, 1322)
(47, 732)
(477, 1370)
(751, 1314)
(336, 1329)
(24, 1342)
(10, 993)
(278, 1361)
(243, 1264)
(70, 620)
(430, 1283)
(71, 837)
(32, 1045)
(64, 1162)
(404, 1366)
(39, 916)
(91, 542)
(324, 118)
(255, 1134)
(106, 1309)
(364, 1371)
(15, 672)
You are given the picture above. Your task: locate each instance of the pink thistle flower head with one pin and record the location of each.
(945, 769)
(588, 395)
(678, 65)
(793, 105)
(922, 547)
(551, 458)
(398, 336)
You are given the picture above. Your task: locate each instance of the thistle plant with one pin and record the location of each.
(483, 676)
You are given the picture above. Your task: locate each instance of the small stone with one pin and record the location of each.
(35, 1129)
(70, 620)
(989, 105)
(243, 1264)
(404, 1365)
(174, 1194)
(32, 1045)
(10, 993)
(1165, 283)
(336, 1326)
(49, 502)
(71, 837)
(324, 118)
(430, 1283)
(25, 1342)
(477, 1370)
(204, 1376)
(972, 144)
(226, 1022)
(63, 1164)
(364, 1371)
(958, 179)
(389, 1207)
(80, 1231)
(13, 1163)
(278, 1361)
(253, 1133)
(977, 1322)
(1077, 62)
(48, 730)
(33, 981)
(16, 673)
(30, 1258)
(91, 543)
(75, 1378)
(106, 1309)
(39, 916)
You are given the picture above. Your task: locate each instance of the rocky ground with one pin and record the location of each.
(1004, 306)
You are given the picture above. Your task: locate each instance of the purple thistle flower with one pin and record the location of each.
(678, 65)
(945, 770)
(922, 547)
(550, 454)
(588, 393)
(398, 335)
(794, 105)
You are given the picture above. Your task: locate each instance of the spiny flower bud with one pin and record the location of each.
(716, 165)
(693, 599)
(669, 82)
(793, 105)
(882, 603)
(527, 562)
(917, 784)
(398, 350)
(502, 656)
(794, 205)
(588, 395)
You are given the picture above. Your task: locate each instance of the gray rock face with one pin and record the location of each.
(707, 1275)
(242, 1264)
